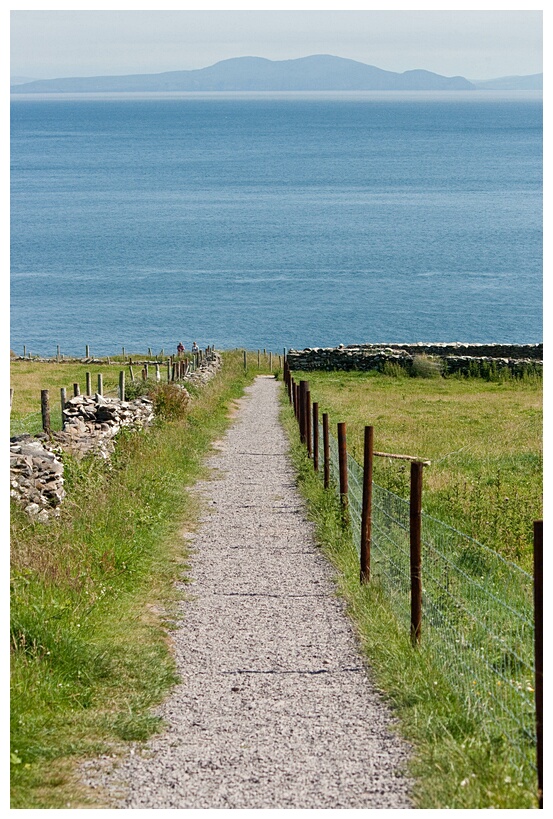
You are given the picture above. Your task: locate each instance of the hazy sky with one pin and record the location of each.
(474, 44)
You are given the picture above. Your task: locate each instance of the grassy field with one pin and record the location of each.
(93, 593)
(455, 762)
(484, 440)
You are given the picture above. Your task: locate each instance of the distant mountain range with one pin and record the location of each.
(321, 72)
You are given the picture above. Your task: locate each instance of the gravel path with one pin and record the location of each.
(275, 709)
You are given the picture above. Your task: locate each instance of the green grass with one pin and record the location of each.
(94, 597)
(484, 439)
(455, 764)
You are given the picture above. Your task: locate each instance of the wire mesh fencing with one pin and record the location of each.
(477, 610)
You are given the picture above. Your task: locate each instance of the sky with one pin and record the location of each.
(474, 44)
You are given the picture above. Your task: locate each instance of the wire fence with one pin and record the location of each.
(477, 609)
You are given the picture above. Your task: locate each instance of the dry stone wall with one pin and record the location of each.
(454, 357)
(90, 424)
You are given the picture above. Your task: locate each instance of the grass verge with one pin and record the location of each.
(94, 598)
(453, 764)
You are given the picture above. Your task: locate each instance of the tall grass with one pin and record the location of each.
(94, 598)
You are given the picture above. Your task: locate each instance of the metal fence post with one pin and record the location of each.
(326, 451)
(538, 649)
(316, 436)
(366, 516)
(415, 523)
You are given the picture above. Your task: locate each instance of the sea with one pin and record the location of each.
(274, 221)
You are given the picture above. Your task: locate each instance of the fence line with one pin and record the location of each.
(476, 608)
(50, 417)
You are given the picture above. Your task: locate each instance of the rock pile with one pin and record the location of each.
(36, 476)
(91, 422)
(90, 425)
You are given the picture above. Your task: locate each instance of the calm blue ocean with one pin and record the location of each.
(275, 221)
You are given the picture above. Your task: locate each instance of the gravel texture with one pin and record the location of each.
(275, 708)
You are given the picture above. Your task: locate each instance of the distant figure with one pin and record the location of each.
(195, 348)
(180, 348)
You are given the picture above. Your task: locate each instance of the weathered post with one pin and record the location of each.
(88, 384)
(123, 351)
(245, 362)
(122, 385)
(24, 351)
(58, 352)
(63, 401)
(146, 370)
(158, 373)
(100, 384)
(415, 525)
(343, 467)
(258, 360)
(131, 373)
(303, 389)
(326, 451)
(76, 389)
(45, 409)
(150, 352)
(271, 362)
(316, 436)
(308, 433)
(87, 351)
(366, 515)
(538, 650)
(168, 370)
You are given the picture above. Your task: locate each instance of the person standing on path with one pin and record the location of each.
(275, 708)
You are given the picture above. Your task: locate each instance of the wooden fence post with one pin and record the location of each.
(258, 360)
(63, 401)
(538, 650)
(245, 362)
(415, 524)
(308, 428)
(343, 467)
(58, 353)
(11, 398)
(45, 409)
(158, 373)
(100, 384)
(87, 353)
(122, 385)
(88, 384)
(316, 436)
(326, 451)
(76, 389)
(366, 515)
(303, 388)
(271, 362)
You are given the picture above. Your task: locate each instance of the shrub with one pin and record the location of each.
(170, 401)
(424, 366)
